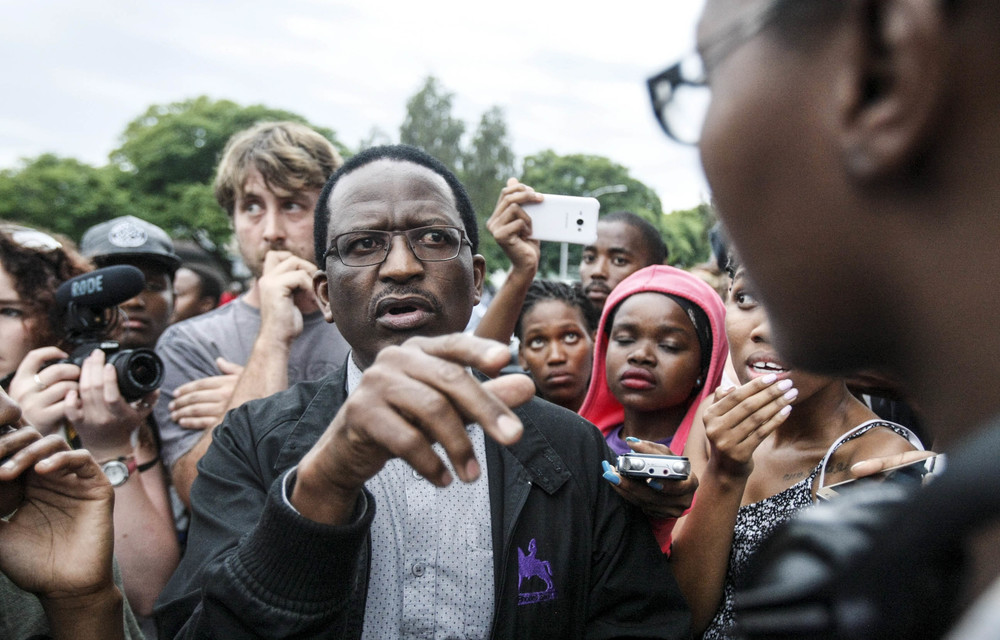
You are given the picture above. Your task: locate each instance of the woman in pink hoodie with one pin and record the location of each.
(660, 351)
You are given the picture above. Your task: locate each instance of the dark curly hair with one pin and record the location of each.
(571, 294)
(36, 274)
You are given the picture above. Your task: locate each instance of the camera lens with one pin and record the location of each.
(139, 372)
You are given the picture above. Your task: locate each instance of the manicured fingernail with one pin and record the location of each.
(471, 470)
(655, 484)
(769, 378)
(791, 393)
(612, 478)
(632, 439)
(785, 384)
(785, 410)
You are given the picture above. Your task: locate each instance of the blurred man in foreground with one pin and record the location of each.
(850, 146)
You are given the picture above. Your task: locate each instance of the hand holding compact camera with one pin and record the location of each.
(647, 465)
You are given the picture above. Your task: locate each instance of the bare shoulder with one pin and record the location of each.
(877, 442)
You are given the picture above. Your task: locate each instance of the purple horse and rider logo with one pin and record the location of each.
(528, 567)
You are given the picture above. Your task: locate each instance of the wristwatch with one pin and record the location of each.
(119, 470)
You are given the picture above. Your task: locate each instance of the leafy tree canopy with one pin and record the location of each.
(483, 163)
(180, 142)
(60, 194)
(686, 235)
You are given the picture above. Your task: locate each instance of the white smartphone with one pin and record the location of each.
(570, 219)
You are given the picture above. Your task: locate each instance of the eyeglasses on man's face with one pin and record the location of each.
(681, 95)
(367, 247)
(680, 98)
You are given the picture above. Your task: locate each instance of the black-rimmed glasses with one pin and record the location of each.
(681, 95)
(367, 247)
(680, 99)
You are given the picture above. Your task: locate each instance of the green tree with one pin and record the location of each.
(489, 161)
(167, 157)
(584, 175)
(430, 126)
(482, 164)
(686, 235)
(60, 194)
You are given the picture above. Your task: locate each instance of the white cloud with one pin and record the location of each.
(569, 78)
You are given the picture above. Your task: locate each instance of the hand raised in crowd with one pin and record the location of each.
(41, 390)
(658, 498)
(287, 280)
(411, 396)
(740, 418)
(101, 416)
(510, 226)
(58, 543)
(202, 404)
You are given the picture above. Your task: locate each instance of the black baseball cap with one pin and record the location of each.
(127, 237)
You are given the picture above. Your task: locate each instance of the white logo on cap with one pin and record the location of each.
(127, 235)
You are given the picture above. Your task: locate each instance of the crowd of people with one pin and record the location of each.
(338, 452)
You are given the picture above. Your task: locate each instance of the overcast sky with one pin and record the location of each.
(569, 78)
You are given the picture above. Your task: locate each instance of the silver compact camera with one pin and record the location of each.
(647, 465)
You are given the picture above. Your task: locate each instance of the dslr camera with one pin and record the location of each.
(90, 305)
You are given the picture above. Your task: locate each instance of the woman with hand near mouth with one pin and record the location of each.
(660, 351)
(758, 452)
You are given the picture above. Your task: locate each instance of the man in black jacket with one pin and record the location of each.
(286, 540)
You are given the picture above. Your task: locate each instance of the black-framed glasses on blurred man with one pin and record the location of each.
(680, 99)
(31, 238)
(681, 94)
(367, 247)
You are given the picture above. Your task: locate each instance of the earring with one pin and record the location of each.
(697, 383)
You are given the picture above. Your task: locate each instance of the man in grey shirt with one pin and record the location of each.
(272, 336)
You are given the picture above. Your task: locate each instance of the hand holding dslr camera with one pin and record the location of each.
(90, 304)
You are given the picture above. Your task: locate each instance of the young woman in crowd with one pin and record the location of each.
(83, 404)
(32, 266)
(660, 351)
(758, 454)
(556, 333)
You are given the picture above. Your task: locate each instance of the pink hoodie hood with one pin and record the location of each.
(600, 406)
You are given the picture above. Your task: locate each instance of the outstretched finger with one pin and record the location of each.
(488, 356)
(877, 465)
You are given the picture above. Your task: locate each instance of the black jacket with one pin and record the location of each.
(255, 569)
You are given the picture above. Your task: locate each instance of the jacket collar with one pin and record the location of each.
(314, 420)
